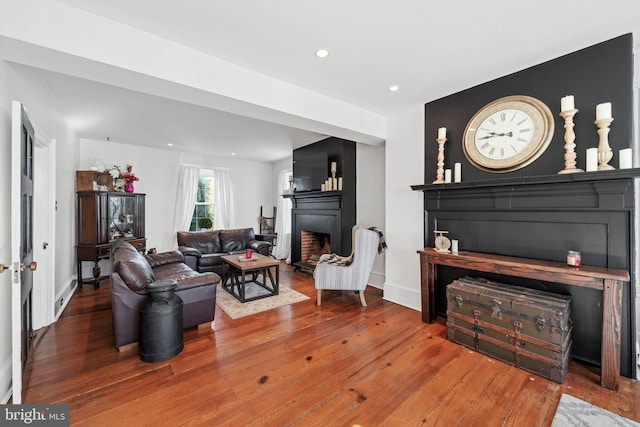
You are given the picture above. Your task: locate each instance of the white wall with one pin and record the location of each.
(404, 225)
(252, 183)
(370, 199)
(5, 236)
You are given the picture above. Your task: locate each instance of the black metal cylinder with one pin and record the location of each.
(161, 322)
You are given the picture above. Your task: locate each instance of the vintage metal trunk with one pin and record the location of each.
(523, 327)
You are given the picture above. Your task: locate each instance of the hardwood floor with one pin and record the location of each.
(341, 364)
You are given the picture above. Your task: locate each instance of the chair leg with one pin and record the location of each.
(364, 303)
(319, 297)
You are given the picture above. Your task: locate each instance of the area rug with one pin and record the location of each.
(236, 309)
(573, 412)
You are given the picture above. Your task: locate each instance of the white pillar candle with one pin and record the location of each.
(566, 103)
(339, 183)
(454, 246)
(457, 172)
(626, 161)
(322, 187)
(603, 111)
(442, 133)
(592, 159)
(334, 167)
(334, 183)
(447, 175)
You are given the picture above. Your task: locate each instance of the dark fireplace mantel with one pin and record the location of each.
(321, 212)
(543, 217)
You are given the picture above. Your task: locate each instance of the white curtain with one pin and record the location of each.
(185, 199)
(222, 199)
(283, 221)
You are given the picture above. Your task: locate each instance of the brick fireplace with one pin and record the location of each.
(312, 246)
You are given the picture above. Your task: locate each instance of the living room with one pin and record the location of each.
(402, 131)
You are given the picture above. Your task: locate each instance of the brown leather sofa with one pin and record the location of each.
(203, 250)
(131, 272)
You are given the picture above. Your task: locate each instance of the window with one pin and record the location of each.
(204, 210)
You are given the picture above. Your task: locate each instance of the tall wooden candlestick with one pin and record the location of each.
(605, 154)
(569, 144)
(440, 173)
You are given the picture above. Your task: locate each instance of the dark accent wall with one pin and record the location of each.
(534, 212)
(331, 212)
(601, 73)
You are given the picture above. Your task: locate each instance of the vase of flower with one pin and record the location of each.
(128, 187)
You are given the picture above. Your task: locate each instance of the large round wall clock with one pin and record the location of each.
(508, 134)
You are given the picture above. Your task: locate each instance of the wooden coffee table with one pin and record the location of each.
(235, 280)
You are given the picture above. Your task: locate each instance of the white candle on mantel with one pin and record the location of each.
(566, 103)
(592, 159)
(447, 176)
(603, 111)
(625, 159)
(457, 172)
(334, 167)
(442, 133)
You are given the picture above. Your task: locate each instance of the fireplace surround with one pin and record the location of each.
(542, 218)
(325, 212)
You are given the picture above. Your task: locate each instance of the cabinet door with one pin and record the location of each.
(102, 218)
(140, 216)
(126, 215)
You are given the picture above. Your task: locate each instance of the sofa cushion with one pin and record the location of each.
(236, 240)
(207, 242)
(186, 277)
(209, 260)
(132, 266)
(164, 258)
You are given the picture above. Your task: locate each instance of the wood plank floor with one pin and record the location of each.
(341, 364)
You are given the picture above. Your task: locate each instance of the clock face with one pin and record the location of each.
(508, 134)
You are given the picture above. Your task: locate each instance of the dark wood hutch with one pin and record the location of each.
(102, 218)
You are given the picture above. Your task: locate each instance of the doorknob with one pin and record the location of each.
(3, 268)
(32, 266)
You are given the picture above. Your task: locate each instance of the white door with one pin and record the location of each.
(22, 264)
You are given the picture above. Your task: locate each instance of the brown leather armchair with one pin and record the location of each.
(203, 250)
(131, 272)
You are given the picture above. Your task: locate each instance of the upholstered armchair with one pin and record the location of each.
(349, 273)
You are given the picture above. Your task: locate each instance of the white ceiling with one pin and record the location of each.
(430, 48)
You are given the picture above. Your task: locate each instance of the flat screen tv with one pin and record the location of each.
(310, 171)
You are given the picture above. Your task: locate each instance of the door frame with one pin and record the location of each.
(44, 304)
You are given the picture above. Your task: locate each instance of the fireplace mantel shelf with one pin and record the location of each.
(530, 180)
(312, 194)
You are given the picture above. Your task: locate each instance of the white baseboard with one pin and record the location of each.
(64, 295)
(5, 380)
(409, 298)
(376, 280)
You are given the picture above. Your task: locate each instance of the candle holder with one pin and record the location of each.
(605, 154)
(440, 172)
(569, 142)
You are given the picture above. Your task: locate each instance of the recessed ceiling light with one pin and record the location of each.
(394, 88)
(322, 53)
(233, 154)
(170, 144)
